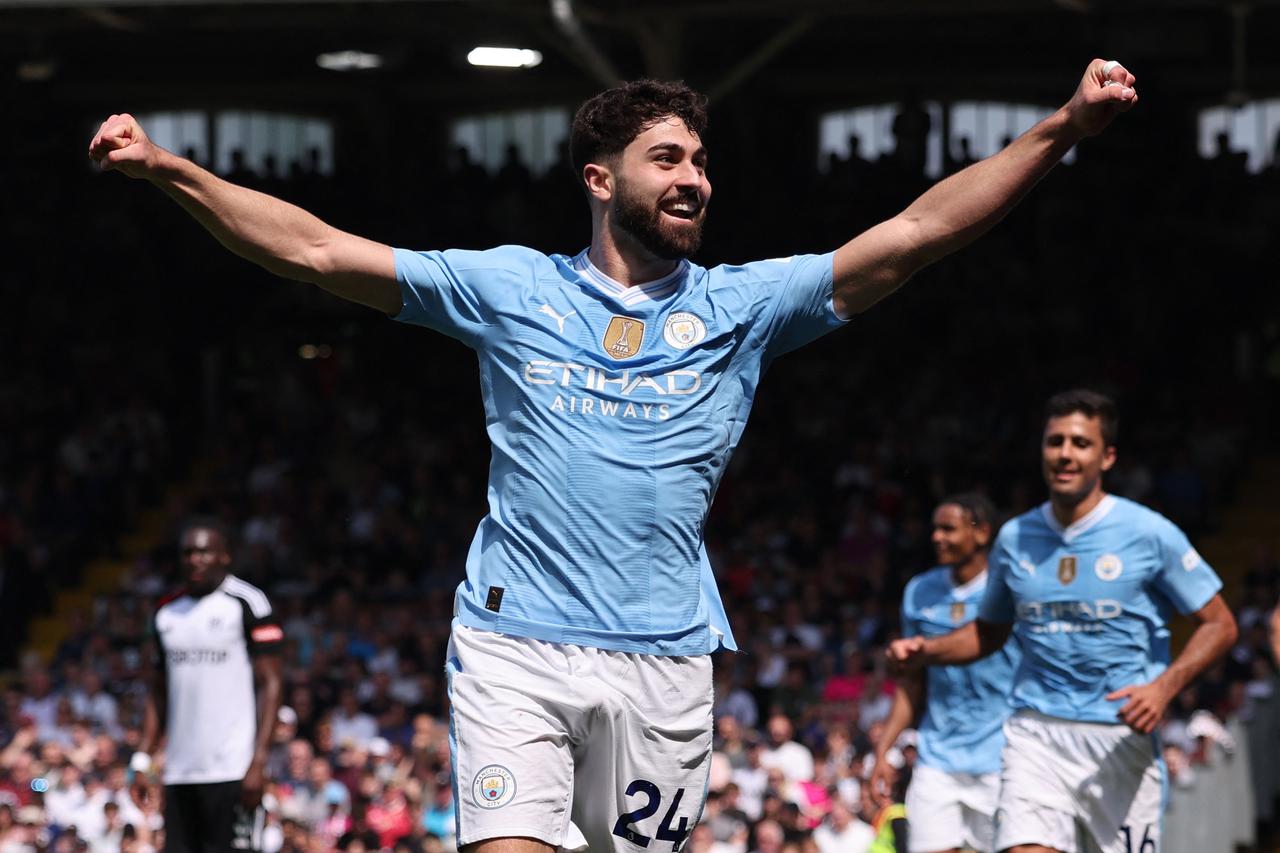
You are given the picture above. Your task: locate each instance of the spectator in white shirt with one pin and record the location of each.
(793, 759)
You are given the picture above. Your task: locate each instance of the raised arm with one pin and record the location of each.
(958, 210)
(278, 236)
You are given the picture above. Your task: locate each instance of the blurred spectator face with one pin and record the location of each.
(841, 817)
(1074, 456)
(727, 728)
(701, 839)
(205, 558)
(38, 683)
(955, 537)
(321, 773)
(299, 758)
(105, 751)
(768, 837)
(780, 730)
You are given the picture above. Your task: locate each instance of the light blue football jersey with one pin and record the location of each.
(612, 413)
(962, 730)
(1091, 603)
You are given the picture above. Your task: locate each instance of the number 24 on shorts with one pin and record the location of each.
(1147, 845)
(626, 827)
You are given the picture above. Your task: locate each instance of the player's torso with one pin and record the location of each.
(612, 415)
(202, 638)
(1087, 614)
(965, 705)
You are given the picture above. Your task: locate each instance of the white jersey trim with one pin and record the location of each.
(973, 585)
(250, 594)
(1080, 525)
(637, 294)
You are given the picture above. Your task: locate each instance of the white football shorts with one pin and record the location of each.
(951, 810)
(1079, 787)
(577, 746)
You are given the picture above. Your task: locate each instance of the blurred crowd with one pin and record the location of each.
(349, 454)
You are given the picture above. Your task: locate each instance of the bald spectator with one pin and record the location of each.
(792, 758)
(843, 831)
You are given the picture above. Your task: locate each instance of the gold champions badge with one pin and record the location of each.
(623, 337)
(1067, 570)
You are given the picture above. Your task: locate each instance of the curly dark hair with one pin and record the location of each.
(977, 506)
(607, 123)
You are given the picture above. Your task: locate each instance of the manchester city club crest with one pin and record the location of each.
(494, 787)
(1067, 570)
(1108, 567)
(623, 337)
(684, 330)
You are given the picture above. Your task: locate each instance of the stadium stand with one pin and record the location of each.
(349, 455)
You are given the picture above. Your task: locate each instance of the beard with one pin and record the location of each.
(650, 229)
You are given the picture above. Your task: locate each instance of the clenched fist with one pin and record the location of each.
(122, 144)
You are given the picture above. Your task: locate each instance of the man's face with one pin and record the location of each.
(1075, 456)
(204, 557)
(661, 189)
(955, 537)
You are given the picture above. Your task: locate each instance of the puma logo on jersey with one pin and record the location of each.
(559, 318)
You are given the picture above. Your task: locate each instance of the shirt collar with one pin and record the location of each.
(1080, 525)
(630, 296)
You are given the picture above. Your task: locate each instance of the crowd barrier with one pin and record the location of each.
(1231, 794)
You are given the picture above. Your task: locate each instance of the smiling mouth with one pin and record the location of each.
(682, 209)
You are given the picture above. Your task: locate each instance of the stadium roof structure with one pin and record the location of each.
(157, 53)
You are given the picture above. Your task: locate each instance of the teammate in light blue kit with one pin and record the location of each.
(951, 801)
(616, 384)
(1088, 582)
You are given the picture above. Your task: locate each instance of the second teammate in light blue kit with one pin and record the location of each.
(951, 801)
(616, 383)
(1087, 582)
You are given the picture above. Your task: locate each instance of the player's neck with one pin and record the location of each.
(624, 260)
(969, 569)
(1068, 513)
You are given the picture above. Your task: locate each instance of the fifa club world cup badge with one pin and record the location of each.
(1067, 570)
(494, 787)
(957, 612)
(623, 337)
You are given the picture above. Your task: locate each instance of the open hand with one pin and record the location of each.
(1145, 708)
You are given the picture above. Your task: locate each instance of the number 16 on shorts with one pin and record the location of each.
(635, 825)
(1132, 845)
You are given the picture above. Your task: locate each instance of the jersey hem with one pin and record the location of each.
(214, 779)
(699, 640)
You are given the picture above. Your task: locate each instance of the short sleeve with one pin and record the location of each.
(262, 631)
(997, 600)
(454, 291)
(801, 307)
(910, 627)
(1182, 576)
